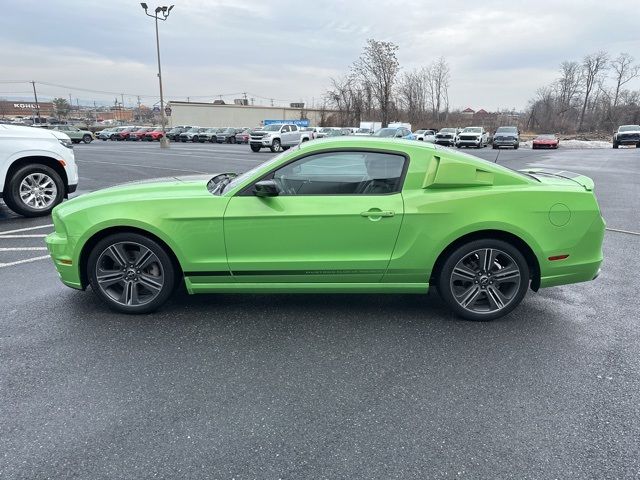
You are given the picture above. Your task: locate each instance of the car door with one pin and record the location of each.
(285, 135)
(335, 219)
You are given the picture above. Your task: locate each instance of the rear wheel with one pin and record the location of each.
(131, 273)
(34, 190)
(232, 139)
(87, 138)
(484, 279)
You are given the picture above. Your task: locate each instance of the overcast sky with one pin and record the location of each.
(500, 52)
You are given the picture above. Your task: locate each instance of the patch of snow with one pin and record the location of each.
(576, 144)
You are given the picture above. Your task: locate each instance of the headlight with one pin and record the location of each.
(267, 136)
(65, 143)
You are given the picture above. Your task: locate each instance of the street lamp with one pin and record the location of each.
(161, 13)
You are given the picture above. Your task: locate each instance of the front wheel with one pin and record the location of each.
(34, 190)
(276, 146)
(131, 273)
(255, 148)
(615, 145)
(484, 279)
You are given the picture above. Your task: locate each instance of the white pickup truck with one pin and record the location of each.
(277, 137)
(37, 169)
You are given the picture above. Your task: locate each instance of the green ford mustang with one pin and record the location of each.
(351, 214)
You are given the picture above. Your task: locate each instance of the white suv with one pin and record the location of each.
(37, 169)
(277, 137)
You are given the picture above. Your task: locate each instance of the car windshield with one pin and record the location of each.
(194, 130)
(629, 128)
(364, 130)
(326, 129)
(448, 130)
(419, 132)
(244, 176)
(507, 130)
(547, 137)
(472, 130)
(385, 132)
(274, 127)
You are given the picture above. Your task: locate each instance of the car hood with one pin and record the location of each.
(144, 191)
(560, 177)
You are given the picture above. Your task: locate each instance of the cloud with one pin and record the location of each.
(500, 52)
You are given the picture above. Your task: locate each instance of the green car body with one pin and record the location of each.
(238, 241)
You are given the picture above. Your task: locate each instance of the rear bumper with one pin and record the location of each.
(584, 261)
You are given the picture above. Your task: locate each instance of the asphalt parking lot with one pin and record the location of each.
(319, 386)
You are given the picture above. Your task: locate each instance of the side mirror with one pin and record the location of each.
(265, 188)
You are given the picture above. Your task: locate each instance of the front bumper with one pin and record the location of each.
(60, 248)
(445, 141)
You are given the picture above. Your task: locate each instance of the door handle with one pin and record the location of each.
(376, 212)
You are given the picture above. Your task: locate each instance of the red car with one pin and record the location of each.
(140, 133)
(155, 134)
(124, 134)
(545, 141)
(243, 136)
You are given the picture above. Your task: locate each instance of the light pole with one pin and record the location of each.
(164, 12)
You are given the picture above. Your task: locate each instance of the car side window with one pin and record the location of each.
(285, 129)
(342, 173)
(294, 128)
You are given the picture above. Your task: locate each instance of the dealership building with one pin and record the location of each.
(240, 115)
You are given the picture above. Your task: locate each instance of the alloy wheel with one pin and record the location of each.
(38, 191)
(485, 281)
(129, 273)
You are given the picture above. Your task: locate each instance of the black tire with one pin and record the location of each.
(87, 138)
(533, 147)
(232, 139)
(12, 194)
(276, 146)
(104, 139)
(615, 145)
(164, 266)
(516, 146)
(195, 139)
(637, 145)
(255, 148)
(495, 147)
(503, 254)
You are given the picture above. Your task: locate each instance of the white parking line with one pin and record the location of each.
(21, 249)
(142, 166)
(26, 229)
(628, 232)
(28, 260)
(39, 235)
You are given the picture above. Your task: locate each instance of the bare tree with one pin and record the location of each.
(439, 76)
(625, 71)
(593, 67)
(378, 68)
(412, 95)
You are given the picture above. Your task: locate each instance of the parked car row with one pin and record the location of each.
(191, 133)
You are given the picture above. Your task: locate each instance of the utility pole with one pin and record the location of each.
(272, 102)
(35, 96)
(165, 11)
